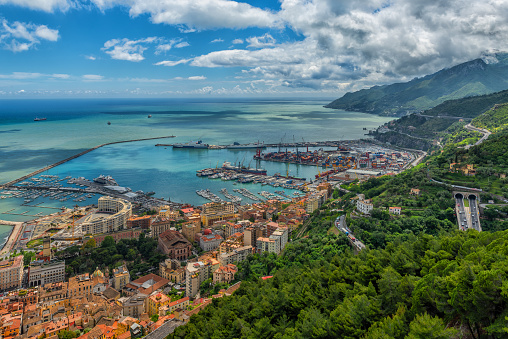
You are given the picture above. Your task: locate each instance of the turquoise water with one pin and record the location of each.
(75, 125)
(5, 231)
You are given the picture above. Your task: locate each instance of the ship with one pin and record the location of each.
(237, 145)
(39, 119)
(109, 122)
(105, 180)
(149, 115)
(241, 169)
(191, 144)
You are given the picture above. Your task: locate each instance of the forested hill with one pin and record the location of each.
(472, 78)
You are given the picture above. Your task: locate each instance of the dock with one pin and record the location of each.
(15, 181)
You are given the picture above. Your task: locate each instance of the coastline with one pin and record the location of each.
(13, 237)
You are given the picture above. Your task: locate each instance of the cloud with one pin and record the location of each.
(21, 75)
(61, 76)
(182, 44)
(90, 57)
(172, 63)
(125, 49)
(22, 36)
(42, 5)
(92, 77)
(216, 40)
(198, 77)
(237, 42)
(197, 14)
(265, 40)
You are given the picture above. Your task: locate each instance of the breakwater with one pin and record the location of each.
(15, 181)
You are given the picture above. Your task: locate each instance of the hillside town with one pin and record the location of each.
(42, 297)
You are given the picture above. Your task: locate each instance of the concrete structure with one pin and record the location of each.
(171, 270)
(155, 302)
(111, 216)
(225, 274)
(132, 233)
(174, 244)
(159, 226)
(394, 210)
(210, 240)
(196, 273)
(134, 306)
(146, 284)
(121, 277)
(364, 206)
(41, 273)
(237, 255)
(139, 222)
(11, 273)
(172, 306)
(217, 211)
(190, 229)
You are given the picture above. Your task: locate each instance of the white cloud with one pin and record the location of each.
(265, 40)
(92, 77)
(129, 50)
(46, 33)
(172, 63)
(197, 77)
(216, 40)
(42, 5)
(21, 36)
(182, 44)
(61, 76)
(237, 42)
(90, 57)
(197, 14)
(21, 75)
(163, 48)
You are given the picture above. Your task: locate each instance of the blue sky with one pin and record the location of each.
(75, 48)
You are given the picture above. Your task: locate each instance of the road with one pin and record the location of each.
(461, 214)
(341, 225)
(475, 217)
(486, 133)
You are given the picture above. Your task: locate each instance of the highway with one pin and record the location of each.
(475, 217)
(340, 223)
(461, 213)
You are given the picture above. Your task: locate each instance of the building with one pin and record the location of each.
(394, 210)
(414, 191)
(41, 272)
(111, 216)
(132, 233)
(251, 234)
(172, 270)
(217, 211)
(134, 306)
(280, 235)
(165, 212)
(210, 240)
(190, 229)
(364, 206)
(146, 285)
(155, 302)
(159, 225)
(172, 306)
(139, 222)
(11, 273)
(83, 285)
(196, 273)
(174, 244)
(236, 255)
(224, 274)
(121, 277)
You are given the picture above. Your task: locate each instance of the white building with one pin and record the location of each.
(41, 273)
(364, 206)
(111, 216)
(237, 255)
(210, 241)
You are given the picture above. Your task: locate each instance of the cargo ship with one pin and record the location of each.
(241, 169)
(105, 180)
(191, 144)
(237, 145)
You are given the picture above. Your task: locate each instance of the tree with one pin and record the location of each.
(108, 242)
(154, 318)
(427, 327)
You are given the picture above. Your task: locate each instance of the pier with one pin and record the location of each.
(15, 181)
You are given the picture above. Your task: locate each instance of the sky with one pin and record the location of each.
(199, 48)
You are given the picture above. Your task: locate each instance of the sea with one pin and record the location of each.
(74, 125)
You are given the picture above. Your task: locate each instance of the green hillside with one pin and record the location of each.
(472, 78)
(495, 119)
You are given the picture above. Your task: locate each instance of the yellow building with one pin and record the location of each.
(217, 211)
(156, 301)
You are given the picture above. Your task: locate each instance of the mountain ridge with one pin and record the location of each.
(472, 78)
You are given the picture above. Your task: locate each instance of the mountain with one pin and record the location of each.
(476, 77)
